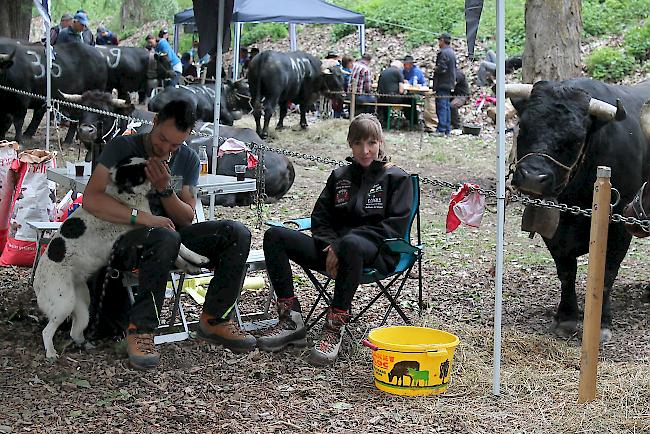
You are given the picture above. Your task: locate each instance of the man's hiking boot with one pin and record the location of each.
(226, 333)
(141, 349)
(290, 329)
(326, 349)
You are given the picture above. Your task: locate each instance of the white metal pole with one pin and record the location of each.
(501, 193)
(362, 38)
(217, 99)
(176, 37)
(48, 84)
(292, 37)
(235, 53)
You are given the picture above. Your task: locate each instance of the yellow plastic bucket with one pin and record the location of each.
(411, 361)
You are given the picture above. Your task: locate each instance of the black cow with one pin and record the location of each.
(201, 97)
(566, 130)
(277, 78)
(95, 130)
(75, 69)
(132, 69)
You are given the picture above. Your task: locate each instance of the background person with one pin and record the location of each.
(361, 205)
(152, 247)
(444, 82)
(460, 96)
(66, 21)
(412, 71)
(362, 76)
(77, 32)
(391, 82)
(105, 37)
(162, 47)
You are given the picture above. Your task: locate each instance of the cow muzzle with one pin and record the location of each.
(534, 181)
(87, 133)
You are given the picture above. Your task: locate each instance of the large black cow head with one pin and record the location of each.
(7, 60)
(238, 95)
(332, 77)
(95, 127)
(555, 121)
(640, 206)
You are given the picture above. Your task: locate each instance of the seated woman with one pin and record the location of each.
(361, 205)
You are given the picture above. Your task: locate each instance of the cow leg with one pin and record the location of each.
(19, 121)
(269, 108)
(303, 116)
(72, 130)
(283, 114)
(565, 322)
(257, 114)
(36, 121)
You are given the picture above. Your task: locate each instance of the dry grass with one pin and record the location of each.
(201, 388)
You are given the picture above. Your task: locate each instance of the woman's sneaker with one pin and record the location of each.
(326, 350)
(290, 329)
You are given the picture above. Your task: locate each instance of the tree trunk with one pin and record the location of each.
(15, 18)
(132, 12)
(552, 50)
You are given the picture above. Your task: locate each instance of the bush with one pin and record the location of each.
(612, 16)
(609, 64)
(256, 32)
(342, 30)
(637, 42)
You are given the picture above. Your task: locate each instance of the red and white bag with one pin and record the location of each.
(8, 153)
(34, 198)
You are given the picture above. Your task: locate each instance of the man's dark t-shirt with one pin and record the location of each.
(389, 81)
(184, 164)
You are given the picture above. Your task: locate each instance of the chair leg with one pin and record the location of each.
(177, 288)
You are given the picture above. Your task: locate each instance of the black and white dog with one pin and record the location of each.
(81, 247)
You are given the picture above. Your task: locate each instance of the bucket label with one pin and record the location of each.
(409, 374)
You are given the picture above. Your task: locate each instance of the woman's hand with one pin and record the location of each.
(154, 221)
(332, 261)
(157, 173)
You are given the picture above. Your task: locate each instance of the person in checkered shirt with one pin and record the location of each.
(362, 76)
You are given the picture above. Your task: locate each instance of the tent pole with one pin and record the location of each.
(362, 38)
(217, 99)
(235, 54)
(501, 194)
(176, 29)
(292, 37)
(48, 82)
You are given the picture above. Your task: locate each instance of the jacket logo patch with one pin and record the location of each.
(375, 197)
(342, 192)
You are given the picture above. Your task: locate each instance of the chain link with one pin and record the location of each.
(525, 200)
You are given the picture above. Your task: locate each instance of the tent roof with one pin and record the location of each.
(284, 11)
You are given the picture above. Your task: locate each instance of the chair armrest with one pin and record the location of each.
(398, 245)
(297, 224)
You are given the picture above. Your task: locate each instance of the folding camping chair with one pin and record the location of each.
(409, 255)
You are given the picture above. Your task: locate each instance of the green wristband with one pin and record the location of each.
(134, 216)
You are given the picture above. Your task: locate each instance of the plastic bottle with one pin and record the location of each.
(203, 158)
(431, 80)
(415, 81)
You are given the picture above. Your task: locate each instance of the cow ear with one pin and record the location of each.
(519, 104)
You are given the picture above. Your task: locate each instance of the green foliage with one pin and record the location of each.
(612, 16)
(637, 42)
(256, 32)
(609, 64)
(341, 30)
(161, 10)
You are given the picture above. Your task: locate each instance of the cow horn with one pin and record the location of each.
(327, 71)
(120, 103)
(645, 119)
(518, 90)
(71, 97)
(605, 111)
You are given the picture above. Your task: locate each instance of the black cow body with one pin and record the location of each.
(201, 97)
(556, 123)
(95, 130)
(277, 78)
(75, 69)
(132, 69)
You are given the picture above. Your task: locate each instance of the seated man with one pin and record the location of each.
(391, 82)
(460, 96)
(152, 246)
(361, 83)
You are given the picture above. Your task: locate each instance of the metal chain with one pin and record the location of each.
(575, 210)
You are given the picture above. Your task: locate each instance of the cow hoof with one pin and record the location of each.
(605, 335)
(304, 127)
(279, 128)
(564, 329)
(88, 346)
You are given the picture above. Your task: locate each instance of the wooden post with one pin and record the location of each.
(595, 282)
(353, 98)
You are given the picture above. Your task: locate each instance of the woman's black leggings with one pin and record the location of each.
(354, 253)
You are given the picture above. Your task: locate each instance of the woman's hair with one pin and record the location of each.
(366, 126)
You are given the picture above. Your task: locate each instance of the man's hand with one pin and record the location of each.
(158, 174)
(154, 221)
(332, 261)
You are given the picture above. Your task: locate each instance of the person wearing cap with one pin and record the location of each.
(105, 37)
(411, 71)
(163, 48)
(333, 56)
(77, 32)
(444, 82)
(66, 21)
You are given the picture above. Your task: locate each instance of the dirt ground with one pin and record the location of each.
(203, 388)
